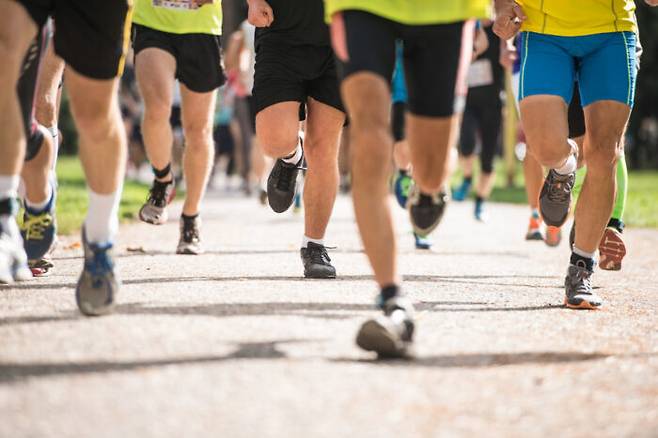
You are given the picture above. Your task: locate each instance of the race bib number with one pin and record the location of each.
(480, 73)
(175, 4)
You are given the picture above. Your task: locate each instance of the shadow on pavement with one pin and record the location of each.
(13, 372)
(461, 279)
(336, 311)
(483, 360)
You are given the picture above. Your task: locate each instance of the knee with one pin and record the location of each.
(603, 150)
(276, 140)
(98, 121)
(157, 111)
(198, 135)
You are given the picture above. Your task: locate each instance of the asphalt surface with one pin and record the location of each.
(235, 343)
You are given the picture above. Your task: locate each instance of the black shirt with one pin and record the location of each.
(296, 23)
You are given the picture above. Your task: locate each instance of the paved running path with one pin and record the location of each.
(235, 344)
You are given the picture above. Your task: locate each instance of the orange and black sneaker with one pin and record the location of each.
(534, 229)
(553, 236)
(611, 250)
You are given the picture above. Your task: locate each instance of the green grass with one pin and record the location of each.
(641, 202)
(72, 196)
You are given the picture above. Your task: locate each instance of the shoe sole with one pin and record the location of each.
(163, 219)
(309, 274)
(374, 337)
(553, 243)
(98, 311)
(583, 305)
(188, 252)
(612, 251)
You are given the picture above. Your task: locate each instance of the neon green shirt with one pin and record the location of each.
(578, 17)
(179, 16)
(415, 12)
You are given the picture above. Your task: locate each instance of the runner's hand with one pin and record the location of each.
(651, 2)
(509, 17)
(508, 54)
(338, 38)
(260, 13)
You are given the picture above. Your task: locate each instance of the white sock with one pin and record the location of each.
(571, 164)
(307, 239)
(54, 131)
(9, 226)
(102, 222)
(40, 206)
(580, 252)
(9, 186)
(295, 157)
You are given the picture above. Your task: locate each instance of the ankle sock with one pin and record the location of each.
(571, 163)
(40, 207)
(583, 256)
(296, 156)
(534, 213)
(306, 240)
(387, 292)
(187, 218)
(9, 186)
(102, 222)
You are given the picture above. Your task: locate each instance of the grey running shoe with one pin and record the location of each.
(98, 285)
(426, 211)
(154, 211)
(281, 184)
(578, 288)
(13, 260)
(555, 197)
(189, 242)
(390, 335)
(317, 263)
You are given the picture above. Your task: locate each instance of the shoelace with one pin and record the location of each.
(190, 232)
(35, 226)
(318, 254)
(559, 189)
(584, 283)
(158, 193)
(99, 263)
(285, 175)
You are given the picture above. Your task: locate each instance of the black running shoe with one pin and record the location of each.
(317, 263)
(426, 211)
(281, 185)
(190, 241)
(578, 288)
(154, 210)
(390, 335)
(555, 197)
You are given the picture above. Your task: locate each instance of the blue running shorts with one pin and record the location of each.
(604, 65)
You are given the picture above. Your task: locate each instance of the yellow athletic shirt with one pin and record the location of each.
(578, 17)
(415, 12)
(179, 16)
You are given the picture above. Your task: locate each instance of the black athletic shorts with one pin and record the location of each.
(198, 55)
(90, 35)
(398, 113)
(432, 55)
(576, 115)
(295, 73)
